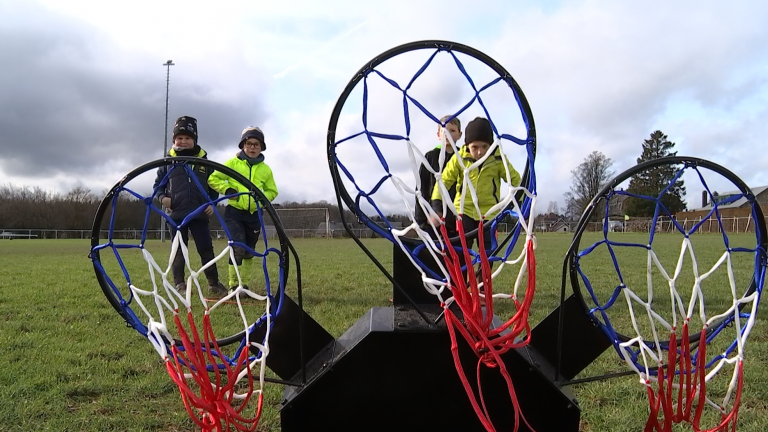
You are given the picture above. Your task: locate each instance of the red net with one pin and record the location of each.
(487, 343)
(681, 393)
(209, 383)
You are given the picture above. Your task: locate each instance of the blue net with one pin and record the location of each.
(424, 244)
(179, 318)
(438, 232)
(691, 283)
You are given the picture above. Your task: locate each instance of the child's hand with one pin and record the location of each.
(208, 210)
(166, 202)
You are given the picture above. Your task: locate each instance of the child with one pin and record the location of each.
(181, 196)
(240, 215)
(427, 179)
(486, 179)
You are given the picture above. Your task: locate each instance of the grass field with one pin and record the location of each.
(69, 362)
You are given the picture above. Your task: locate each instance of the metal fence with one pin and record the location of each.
(665, 224)
(135, 234)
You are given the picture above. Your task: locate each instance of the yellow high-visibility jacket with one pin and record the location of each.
(486, 180)
(260, 175)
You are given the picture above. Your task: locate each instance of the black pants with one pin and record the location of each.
(202, 236)
(244, 227)
(470, 224)
(450, 227)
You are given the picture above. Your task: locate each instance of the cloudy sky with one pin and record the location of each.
(82, 85)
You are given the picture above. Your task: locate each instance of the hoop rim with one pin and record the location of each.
(687, 161)
(439, 45)
(125, 311)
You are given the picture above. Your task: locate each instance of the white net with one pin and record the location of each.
(695, 368)
(436, 244)
(679, 305)
(305, 222)
(205, 376)
(456, 252)
(214, 342)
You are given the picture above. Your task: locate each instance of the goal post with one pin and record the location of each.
(315, 219)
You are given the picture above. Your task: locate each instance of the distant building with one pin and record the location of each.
(560, 226)
(544, 222)
(722, 199)
(617, 206)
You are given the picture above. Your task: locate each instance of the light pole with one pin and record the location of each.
(167, 65)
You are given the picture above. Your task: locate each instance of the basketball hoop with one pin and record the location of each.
(445, 262)
(689, 355)
(206, 343)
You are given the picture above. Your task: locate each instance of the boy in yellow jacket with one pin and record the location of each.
(240, 214)
(486, 179)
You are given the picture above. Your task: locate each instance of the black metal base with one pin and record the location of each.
(409, 279)
(289, 349)
(582, 340)
(390, 371)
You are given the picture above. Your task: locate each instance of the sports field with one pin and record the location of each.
(68, 362)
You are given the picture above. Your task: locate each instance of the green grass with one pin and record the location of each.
(70, 363)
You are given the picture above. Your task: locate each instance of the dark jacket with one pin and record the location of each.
(186, 196)
(428, 180)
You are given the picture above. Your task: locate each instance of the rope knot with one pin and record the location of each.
(484, 352)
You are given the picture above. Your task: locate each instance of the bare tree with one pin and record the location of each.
(553, 208)
(81, 194)
(588, 178)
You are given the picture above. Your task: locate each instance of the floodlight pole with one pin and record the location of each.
(167, 65)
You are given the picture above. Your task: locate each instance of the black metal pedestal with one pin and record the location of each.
(393, 370)
(386, 374)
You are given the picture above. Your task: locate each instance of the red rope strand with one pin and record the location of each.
(210, 404)
(691, 388)
(488, 344)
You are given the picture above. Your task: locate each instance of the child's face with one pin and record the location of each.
(451, 129)
(252, 147)
(183, 142)
(478, 149)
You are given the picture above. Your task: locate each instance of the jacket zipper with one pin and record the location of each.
(250, 173)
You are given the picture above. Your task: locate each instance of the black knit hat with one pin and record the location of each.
(479, 129)
(185, 125)
(252, 132)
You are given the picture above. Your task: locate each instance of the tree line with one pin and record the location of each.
(25, 207)
(589, 177)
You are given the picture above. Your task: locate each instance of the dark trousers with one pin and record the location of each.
(244, 227)
(450, 227)
(470, 224)
(202, 236)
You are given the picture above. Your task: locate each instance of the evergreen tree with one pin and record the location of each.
(652, 182)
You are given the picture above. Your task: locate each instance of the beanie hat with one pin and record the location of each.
(479, 129)
(186, 125)
(252, 132)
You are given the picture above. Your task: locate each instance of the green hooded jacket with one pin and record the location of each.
(260, 175)
(486, 180)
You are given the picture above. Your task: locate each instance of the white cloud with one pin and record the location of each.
(598, 75)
